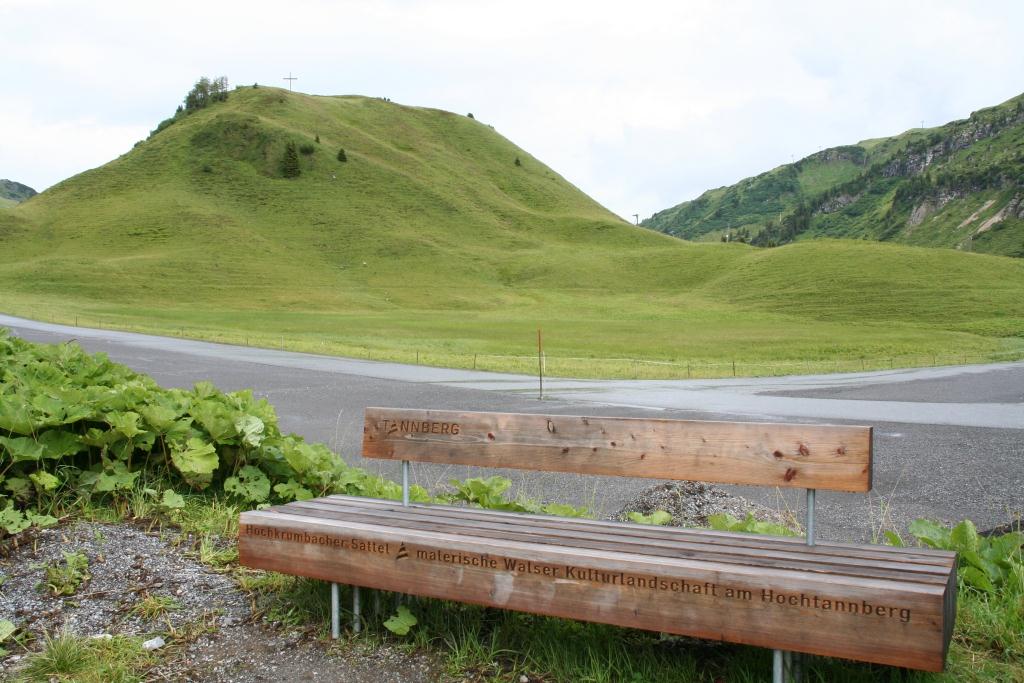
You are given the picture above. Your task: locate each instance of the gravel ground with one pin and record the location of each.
(219, 638)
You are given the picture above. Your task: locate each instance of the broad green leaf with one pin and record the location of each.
(51, 408)
(205, 390)
(22, 448)
(564, 510)
(293, 491)
(251, 484)
(160, 418)
(400, 623)
(930, 533)
(181, 430)
(722, 521)
(172, 500)
(7, 629)
(20, 487)
(58, 443)
(13, 521)
(99, 438)
(41, 520)
(126, 423)
(44, 480)
(299, 456)
(657, 518)
(115, 478)
(217, 419)
(196, 461)
(976, 578)
(251, 429)
(964, 537)
(893, 539)
(15, 416)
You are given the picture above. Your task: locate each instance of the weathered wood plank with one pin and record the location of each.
(886, 621)
(803, 456)
(926, 556)
(777, 555)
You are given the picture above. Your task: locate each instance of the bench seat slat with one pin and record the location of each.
(918, 556)
(835, 457)
(784, 556)
(888, 621)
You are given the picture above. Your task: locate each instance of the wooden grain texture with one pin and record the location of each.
(434, 518)
(904, 619)
(834, 457)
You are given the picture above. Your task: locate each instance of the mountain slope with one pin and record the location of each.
(960, 185)
(12, 193)
(439, 235)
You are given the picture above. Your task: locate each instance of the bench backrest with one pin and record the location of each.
(834, 457)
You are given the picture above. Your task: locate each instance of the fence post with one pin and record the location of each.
(540, 364)
(734, 368)
(474, 361)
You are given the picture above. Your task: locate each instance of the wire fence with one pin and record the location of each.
(554, 365)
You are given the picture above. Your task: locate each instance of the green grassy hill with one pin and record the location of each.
(960, 185)
(439, 237)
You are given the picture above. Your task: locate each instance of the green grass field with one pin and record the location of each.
(431, 241)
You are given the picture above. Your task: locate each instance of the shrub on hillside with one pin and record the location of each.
(341, 155)
(290, 162)
(206, 91)
(307, 149)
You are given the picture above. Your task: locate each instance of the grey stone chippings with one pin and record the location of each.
(127, 563)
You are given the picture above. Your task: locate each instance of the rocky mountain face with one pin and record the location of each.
(15, 192)
(960, 185)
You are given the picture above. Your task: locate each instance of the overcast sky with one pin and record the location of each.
(640, 104)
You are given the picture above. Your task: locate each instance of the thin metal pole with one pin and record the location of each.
(357, 623)
(810, 516)
(540, 364)
(777, 676)
(335, 612)
(405, 483)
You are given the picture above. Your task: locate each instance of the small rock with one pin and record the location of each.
(524, 679)
(153, 643)
(101, 636)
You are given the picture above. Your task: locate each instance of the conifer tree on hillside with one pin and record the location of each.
(290, 162)
(205, 92)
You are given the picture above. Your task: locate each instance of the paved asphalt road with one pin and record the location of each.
(949, 442)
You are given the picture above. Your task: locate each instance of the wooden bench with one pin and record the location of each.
(864, 602)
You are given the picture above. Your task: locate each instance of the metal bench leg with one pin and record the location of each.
(357, 623)
(778, 675)
(335, 612)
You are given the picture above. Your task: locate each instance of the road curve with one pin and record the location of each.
(813, 397)
(949, 442)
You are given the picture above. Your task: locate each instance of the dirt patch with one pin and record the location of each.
(208, 623)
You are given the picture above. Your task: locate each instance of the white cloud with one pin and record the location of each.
(39, 153)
